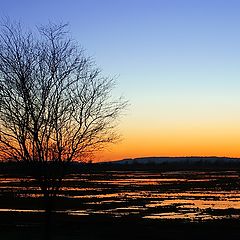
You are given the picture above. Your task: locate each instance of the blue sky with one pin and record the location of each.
(177, 61)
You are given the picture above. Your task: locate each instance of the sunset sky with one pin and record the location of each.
(177, 61)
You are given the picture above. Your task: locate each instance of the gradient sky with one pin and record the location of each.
(178, 63)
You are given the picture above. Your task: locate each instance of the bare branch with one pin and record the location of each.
(55, 105)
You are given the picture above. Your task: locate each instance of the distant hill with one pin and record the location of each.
(132, 164)
(175, 160)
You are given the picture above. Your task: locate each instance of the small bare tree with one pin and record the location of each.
(55, 105)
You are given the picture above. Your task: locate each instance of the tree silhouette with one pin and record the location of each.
(55, 104)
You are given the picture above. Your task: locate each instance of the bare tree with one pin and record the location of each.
(55, 105)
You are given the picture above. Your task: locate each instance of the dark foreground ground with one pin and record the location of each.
(112, 194)
(32, 226)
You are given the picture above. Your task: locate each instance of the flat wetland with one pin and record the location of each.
(142, 204)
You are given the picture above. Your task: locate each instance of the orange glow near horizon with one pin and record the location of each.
(211, 140)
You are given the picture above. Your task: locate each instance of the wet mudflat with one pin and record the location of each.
(147, 204)
(191, 195)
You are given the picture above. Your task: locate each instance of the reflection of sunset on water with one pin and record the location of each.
(167, 195)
